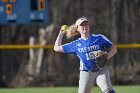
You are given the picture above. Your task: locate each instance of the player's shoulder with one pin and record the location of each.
(72, 43)
(75, 41)
(98, 35)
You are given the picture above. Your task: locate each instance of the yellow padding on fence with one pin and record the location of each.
(25, 46)
(128, 45)
(3, 47)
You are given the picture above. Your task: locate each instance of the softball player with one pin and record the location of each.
(85, 48)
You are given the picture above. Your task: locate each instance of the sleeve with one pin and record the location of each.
(106, 42)
(69, 48)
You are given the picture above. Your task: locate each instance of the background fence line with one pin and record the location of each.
(3, 47)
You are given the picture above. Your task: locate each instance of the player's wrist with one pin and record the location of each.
(61, 33)
(107, 54)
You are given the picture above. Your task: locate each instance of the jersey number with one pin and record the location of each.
(92, 54)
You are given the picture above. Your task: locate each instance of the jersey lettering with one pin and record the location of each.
(88, 49)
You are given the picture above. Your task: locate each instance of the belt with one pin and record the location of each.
(92, 70)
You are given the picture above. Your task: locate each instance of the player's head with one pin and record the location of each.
(82, 25)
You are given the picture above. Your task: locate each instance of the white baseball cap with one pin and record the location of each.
(80, 20)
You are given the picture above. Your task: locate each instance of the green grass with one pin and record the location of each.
(119, 89)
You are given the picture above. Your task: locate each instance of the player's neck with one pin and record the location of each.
(85, 36)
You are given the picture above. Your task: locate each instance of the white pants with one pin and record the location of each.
(87, 80)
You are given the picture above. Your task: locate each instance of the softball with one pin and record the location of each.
(64, 28)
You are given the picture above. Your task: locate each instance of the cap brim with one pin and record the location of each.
(81, 20)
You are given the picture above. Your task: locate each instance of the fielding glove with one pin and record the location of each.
(101, 59)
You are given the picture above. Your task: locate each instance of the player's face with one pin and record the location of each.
(84, 27)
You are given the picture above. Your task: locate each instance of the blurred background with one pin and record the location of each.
(28, 25)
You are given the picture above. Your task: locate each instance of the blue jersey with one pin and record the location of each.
(86, 49)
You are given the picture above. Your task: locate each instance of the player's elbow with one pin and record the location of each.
(114, 49)
(55, 49)
(58, 49)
